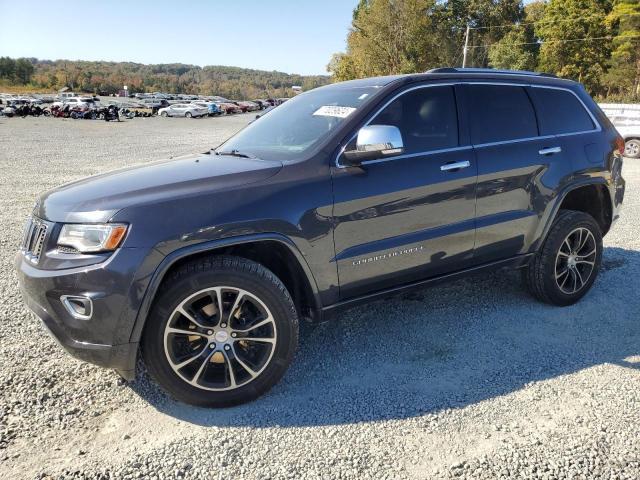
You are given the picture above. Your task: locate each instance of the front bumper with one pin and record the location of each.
(119, 357)
(103, 339)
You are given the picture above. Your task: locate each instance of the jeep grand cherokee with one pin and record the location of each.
(204, 264)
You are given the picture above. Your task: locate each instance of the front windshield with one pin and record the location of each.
(297, 125)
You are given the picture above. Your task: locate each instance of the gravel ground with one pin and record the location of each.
(472, 379)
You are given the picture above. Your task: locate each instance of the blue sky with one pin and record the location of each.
(293, 36)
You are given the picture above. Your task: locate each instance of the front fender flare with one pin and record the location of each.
(205, 247)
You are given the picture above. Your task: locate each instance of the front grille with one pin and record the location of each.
(34, 238)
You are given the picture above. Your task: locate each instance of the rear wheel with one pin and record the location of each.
(632, 148)
(187, 115)
(164, 114)
(564, 270)
(222, 332)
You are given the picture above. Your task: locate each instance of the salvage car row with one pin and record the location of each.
(91, 107)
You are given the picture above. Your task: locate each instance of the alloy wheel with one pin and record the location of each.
(221, 338)
(632, 149)
(575, 260)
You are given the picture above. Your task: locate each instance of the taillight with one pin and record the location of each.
(620, 145)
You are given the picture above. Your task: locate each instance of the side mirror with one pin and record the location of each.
(374, 142)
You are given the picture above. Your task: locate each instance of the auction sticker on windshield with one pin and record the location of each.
(334, 111)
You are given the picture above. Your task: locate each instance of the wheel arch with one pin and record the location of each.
(294, 272)
(575, 197)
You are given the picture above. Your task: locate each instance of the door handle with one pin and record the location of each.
(455, 166)
(549, 151)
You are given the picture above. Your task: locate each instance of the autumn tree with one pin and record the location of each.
(110, 77)
(387, 37)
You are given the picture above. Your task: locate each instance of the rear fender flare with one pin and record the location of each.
(552, 211)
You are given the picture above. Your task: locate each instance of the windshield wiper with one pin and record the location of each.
(234, 153)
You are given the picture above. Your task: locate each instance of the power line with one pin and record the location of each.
(520, 24)
(541, 42)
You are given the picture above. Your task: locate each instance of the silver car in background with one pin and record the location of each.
(183, 110)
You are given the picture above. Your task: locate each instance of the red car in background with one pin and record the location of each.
(228, 108)
(248, 106)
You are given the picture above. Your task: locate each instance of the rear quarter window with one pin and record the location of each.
(500, 113)
(560, 111)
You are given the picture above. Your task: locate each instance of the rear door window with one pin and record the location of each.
(559, 112)
(426, 117)
(499, 113)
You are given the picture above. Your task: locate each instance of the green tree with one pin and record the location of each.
(623, 77)
(486, 17)
(7, 68)
(512, 53)
(564, 24)
(403, 36)
(24, 70)
(519, 49)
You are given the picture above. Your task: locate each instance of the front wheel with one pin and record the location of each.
(222, 332)
(187, 115)
(632, 148)
(564, 270)
(164, 114)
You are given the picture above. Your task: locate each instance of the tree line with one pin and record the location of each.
(596, 42)
(109, 77)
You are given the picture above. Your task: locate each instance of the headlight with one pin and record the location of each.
(92, 238)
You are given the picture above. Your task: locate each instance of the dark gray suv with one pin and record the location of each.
(204, 264)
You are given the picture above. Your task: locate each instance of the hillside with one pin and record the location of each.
(109, 77)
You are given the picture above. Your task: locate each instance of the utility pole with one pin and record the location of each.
(466, 47)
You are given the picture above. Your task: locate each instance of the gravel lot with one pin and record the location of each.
(472, 379)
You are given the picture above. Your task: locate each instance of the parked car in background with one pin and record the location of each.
(229, 107)
(139, 109)
(211, 107)
(79, 102)
(65, 95)
(262, 103)
(155, 103)
(243, 109)
(17, 102)
(249, 106)
(187, 110)
(631, 135)
(8, 111)
(626, 118)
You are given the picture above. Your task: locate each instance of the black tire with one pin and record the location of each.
(540, 274)
(164, 114)
(187, 115)
(203, 274)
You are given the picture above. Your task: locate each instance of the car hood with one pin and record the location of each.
(98, 198)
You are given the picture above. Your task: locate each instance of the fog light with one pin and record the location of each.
(78, 307)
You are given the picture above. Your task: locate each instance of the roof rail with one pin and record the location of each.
(489, 70)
